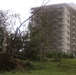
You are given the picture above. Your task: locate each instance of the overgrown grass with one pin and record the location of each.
(65, 67)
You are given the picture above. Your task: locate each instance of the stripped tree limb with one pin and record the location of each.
(16, 32)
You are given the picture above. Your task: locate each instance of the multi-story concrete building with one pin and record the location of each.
(60, 22)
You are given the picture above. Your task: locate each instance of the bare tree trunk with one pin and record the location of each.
(4, 42)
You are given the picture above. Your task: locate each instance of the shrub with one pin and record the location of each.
(54, 55)
(29, 65)
(59, 55)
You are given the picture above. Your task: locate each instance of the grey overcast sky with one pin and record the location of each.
(23, 6)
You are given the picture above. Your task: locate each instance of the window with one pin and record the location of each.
(68, 45)
(68, 27)
(68, 21)
(60, 38)
(68, 38)
(68, 15)
(60, 19)
(73, 40)
(60, 9)
(73, 46)
(73, 30)
(68, 32)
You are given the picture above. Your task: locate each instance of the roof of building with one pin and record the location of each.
(72, 5)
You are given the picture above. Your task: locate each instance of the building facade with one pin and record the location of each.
(60, 26)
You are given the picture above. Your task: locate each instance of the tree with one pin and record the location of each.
(39, 32)
(7, 55)
(5, 37)
(16, 32)
(3, 30)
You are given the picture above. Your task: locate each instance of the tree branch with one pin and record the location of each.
(13, 41)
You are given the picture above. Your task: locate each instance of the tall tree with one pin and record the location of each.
(40, 32)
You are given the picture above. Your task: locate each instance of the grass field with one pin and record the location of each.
(65, 67)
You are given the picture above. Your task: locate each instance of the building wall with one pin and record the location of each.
(61, 19)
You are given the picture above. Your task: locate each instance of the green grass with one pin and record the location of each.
(65, 67)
